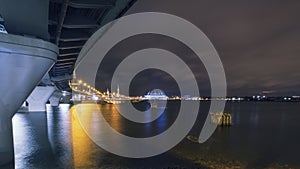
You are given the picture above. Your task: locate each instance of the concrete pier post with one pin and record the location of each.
(39, 97)
(6, 138)
(23, 63)
(55, 98)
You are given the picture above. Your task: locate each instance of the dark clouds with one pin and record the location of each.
(258, 41)
(153, 79)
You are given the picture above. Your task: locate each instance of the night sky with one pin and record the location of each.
(257, 41)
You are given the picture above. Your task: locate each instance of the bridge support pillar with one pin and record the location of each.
(55, 98)
(39, 97)
(23, 63)
(6, 141)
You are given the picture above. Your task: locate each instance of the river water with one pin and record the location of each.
(263, 135)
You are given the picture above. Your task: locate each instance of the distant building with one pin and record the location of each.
(156, 94)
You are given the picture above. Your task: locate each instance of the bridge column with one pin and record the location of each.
(23, 63)
(6, 139)
(55, 98)
(39, 97)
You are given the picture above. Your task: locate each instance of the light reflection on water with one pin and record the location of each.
(262, 134)
(81, 145)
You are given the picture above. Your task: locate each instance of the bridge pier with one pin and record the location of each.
(39, 97)
(55, 98)
(23, 63)
(6, 141)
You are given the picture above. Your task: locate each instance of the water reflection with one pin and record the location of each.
(31, 141)
(81, 145)
(112, 116)
(56, 139)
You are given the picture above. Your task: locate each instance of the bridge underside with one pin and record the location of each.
(71, 23)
